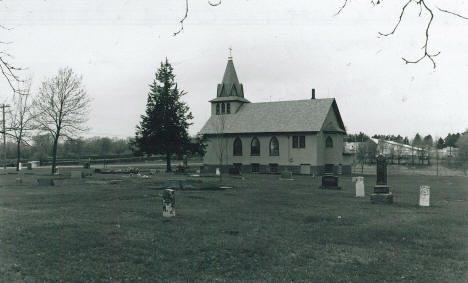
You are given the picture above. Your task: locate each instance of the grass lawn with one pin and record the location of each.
(265, 229)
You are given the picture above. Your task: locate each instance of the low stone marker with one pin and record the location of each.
(218, 172)
(76, 174)
(168, 203)
(29, 164)
(286, 175)
(360, 192)
(46, 182)
(424, 195)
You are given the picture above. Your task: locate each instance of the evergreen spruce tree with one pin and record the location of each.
(163, 128)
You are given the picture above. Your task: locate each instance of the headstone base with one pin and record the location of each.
(382, 198)
(381, 189)
(330, 187)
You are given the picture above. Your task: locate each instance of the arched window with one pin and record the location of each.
(228, 108)
(223, 109)
(274, 147)
(217, 108)
(255, 147)
(237, 147)
(329, 142)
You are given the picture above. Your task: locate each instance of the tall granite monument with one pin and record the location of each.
(382, 192)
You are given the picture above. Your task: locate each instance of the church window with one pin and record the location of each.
(217, 108)
(329, 142)
(302, 141)
(228, 108)
(298, 142)
(274, 147)
(255, 147)
(223, 108)
(237, 147)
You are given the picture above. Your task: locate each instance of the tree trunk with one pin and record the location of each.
(18, 155)
(54, 154)
(168, 162)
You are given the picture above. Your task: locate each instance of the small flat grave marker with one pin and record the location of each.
(76, 174)
(286, 175)
(46, 182)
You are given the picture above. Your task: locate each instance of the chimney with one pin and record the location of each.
(313, 93)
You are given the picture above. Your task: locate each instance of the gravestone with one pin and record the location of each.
(424, 195)
(152, 171)
(329, 181)
(76, 174)
(19, 180)
(287, 175)
(20, 166)
(86, 165)
(360, 192)
(168, 202)
(46, 182)
(382, 192)
(29, 164)
(218, 172)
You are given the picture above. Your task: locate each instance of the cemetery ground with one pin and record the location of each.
(95, 229)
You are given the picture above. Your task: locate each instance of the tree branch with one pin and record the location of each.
(183, 19)
(399, 20)
(217, 4)
(452, 13)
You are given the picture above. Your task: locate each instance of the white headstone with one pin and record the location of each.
(218, 172)
(168, 202)
(424, 195)
(360, 192)
(20, 166)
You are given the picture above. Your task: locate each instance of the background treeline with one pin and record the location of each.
(419, 141)
(40, 148)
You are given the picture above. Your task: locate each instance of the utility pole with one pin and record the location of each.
(4, 134)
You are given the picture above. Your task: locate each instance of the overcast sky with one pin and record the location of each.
(281, 49)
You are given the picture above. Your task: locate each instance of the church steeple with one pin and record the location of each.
(230, 85)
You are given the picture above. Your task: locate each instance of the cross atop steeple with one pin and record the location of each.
(230, 52)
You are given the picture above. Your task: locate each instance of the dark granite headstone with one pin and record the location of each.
(382, 192)
(381, 170)
(329, 180)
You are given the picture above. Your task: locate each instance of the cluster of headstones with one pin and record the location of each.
(381, 193)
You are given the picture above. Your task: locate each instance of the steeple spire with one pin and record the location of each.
(230, 85)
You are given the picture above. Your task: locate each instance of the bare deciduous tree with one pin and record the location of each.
(423, 6)
(9, 71)
(62, 107)
(21, 118)
(221, 143)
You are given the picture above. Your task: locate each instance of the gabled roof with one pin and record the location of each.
(273, 117)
